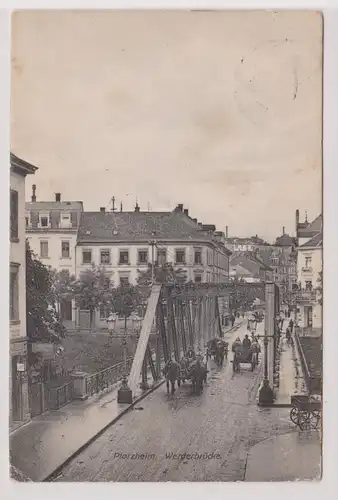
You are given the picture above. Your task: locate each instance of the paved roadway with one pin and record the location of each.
(149, 443)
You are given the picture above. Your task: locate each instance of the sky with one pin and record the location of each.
(219, 111)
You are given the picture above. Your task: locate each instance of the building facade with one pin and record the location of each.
(51, 230)
(309, 272)
(125, 242)
(246, 267)
(19, 400)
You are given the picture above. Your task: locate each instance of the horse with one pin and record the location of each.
(172, 373)
(220, 353)
(197, 374)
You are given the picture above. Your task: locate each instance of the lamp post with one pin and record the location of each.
(111, 321)
(266, 392)
(124, 394)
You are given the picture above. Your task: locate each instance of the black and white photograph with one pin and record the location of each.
(166, 246)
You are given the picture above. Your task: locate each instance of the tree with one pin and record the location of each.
(164, 273)
(125, 300)
(43, 322)
(64, 286)
(93, 290)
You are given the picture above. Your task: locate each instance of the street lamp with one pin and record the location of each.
(111, 322)
(266, 395)
(124, 394)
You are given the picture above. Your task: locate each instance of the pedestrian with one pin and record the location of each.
(291, 325)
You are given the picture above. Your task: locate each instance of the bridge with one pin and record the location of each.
(189, 315)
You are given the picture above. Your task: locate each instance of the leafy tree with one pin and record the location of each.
(93, 290)
(43, 321)
(64, 286)
(125, 300)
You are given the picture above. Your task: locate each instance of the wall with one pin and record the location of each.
(18, 343)
(54, 259)
(316, 265)
(209, 270)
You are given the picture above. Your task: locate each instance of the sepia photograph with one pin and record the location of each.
(166, 246)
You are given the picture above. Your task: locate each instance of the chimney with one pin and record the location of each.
(200, 225)
(137, 208)
(195, 220)
(180, 207)
(58, 197)
(102, 210)
(226, 231)
(121, 207)
(297, 218)
(283, 230)
(33, 192)
(186, 211)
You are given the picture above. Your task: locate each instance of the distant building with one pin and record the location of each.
(51, 230)
(19, 401)
(120, 242)
(309, 269)
(246, 267)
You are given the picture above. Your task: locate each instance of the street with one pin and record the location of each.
(185, 437)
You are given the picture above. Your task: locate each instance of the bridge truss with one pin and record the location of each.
(188, 316)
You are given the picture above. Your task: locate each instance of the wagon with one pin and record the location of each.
(244, 355)
(305, 412)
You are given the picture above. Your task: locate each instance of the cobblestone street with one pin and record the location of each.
(149, 443)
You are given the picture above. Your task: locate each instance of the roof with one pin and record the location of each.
(284, 241)
(312, 228)
(21, 166)
(316, 241)
(141, 226)
(249, 262)
(65, 206)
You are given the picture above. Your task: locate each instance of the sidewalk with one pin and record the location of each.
(291, 378)
(41, 446)
(47, 441)
(289, 457)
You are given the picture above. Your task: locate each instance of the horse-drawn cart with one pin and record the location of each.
(244, 355)
(306, 411)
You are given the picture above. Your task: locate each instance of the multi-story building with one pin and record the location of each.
(120, 242)
(309, 270)
(19, 401)
(247, 267)
(51, 230)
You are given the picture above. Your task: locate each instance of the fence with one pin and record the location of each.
(313, 384)
(105, 378)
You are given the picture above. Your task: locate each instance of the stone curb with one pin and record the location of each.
(58, 470)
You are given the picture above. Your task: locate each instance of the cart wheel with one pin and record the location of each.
(315, 419)
(294, 415)
(304, 420)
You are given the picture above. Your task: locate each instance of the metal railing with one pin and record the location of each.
(105, 378)
(58, 397)
(305, 295)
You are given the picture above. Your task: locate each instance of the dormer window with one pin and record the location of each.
(44, 221)
(65, 220)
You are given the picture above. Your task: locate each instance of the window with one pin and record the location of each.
(308, 261)
(180, 256)
(308, 285)
(14, 293)
(27, 221)
(86, 256)
(66, 220)
(198, 279)
(198, 256)
(124, 257)
(44, 249)
(124, 280)
(105, 256)
(65, 250)
(161, 257)
(14, 213)
(142, 256)
(44, 220)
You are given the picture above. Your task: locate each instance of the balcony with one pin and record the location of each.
(305, 296)
(307, 270)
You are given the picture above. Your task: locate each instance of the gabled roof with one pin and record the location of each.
(249, 262)
(311, 229)
(60, 206)
(316, 241)
(141, 226)
(20, 166)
